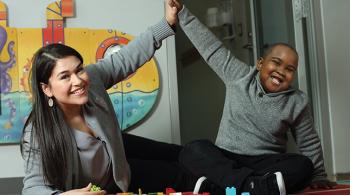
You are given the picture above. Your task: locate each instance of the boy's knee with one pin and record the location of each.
(195, 149)
(301, 173)
(303, 165)
(199, 144)
(195, 146)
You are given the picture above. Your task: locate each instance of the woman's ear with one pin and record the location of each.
(259, 63)
(46, 89)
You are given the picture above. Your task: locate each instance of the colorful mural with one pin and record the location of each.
(133, 98)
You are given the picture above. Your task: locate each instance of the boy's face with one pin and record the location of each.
(278, 68)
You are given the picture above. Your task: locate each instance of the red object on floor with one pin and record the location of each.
(337, 190)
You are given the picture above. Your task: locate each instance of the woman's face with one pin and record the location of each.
(278, 68)
(68, 83)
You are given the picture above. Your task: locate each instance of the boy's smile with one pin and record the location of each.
(277, 69)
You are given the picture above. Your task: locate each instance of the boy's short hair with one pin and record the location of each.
(271, 47)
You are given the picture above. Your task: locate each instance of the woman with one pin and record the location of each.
(72, 138)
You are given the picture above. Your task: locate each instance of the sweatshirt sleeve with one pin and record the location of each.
(309, 143)
(137, 52)
(213, 51)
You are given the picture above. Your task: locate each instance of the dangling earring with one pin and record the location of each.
(50, 101)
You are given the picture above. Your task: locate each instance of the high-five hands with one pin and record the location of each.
(172, 7)
(177, 4)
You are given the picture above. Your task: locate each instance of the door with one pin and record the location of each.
(272, 22)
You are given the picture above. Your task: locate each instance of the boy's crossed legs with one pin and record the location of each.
(226, 169)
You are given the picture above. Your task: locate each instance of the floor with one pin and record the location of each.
(343, 188)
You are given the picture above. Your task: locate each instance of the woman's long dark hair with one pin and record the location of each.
(51, 136)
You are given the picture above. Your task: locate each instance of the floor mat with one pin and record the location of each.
(340, 189)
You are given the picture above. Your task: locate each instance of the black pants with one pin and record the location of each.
(154, 165)
(227, 169)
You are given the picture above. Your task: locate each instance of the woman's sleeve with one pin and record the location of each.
(33, 178)
(130, 57)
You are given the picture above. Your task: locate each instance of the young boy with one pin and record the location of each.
(260, 107)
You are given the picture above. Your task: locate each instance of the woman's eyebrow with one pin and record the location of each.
(67, 71)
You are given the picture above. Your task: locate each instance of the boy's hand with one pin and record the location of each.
(323, 184)
(171, 10)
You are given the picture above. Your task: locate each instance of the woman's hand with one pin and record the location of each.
(322, 184)
(172, 7)
(83, 191)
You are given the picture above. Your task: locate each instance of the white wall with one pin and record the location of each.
(132, 17)
(336, 28)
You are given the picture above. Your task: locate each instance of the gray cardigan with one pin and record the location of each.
(254, 122)
(99, 112)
